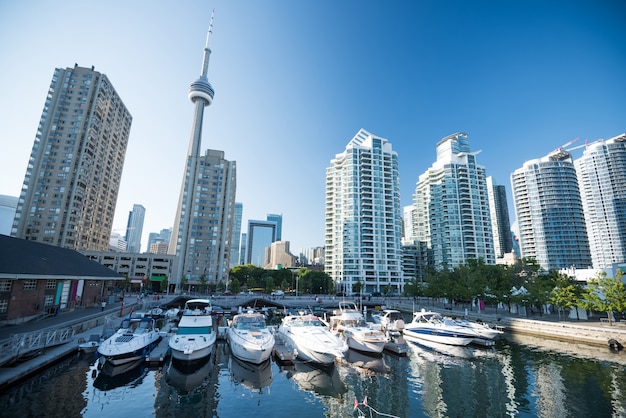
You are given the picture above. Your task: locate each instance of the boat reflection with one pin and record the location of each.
(369, 362)
(185, 378)
(128, 374)
(253, 376)
(322, 380)
(428, 348)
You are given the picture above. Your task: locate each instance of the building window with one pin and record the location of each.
(30, 284)
(4, 306)
(51, 284)
(5, 285)
(48, 300)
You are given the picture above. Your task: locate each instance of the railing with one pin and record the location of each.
(22, 346)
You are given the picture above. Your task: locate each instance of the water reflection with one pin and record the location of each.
(253, 376)
(111, 377)
(185, 377)
(511, 380)
(324, 381)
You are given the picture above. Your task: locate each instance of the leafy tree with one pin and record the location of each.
(164, 284)
(220, 286)
(203, 282)
(269, 287)
(234, 286)
(605, 294)
(566, 294)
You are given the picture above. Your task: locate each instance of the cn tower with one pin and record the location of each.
(201, 95)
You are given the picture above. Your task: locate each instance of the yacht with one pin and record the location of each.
(348, 322)
(135, 338)
(431, 326)
(195, 337)
(390, 321)
(249, 337)
(311, 339)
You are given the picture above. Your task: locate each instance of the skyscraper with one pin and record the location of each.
(235, 240)
(261, 234)
(278, 220)
(602, 178)
(134, 229)
(500, 223)
(73, 177)
(363, 216)
(204, 218)
(452, 206)
(549, 212)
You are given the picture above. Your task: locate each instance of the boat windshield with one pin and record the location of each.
(193, 330)
(308, 323)
(250, 323)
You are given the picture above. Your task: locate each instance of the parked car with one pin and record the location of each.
(278, 293)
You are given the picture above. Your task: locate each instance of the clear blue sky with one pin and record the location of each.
(295, 80)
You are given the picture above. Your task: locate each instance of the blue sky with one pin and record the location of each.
(295, 80)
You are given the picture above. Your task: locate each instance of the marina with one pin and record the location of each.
(317, 390)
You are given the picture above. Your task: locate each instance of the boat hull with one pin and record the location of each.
(192, 351)
(248, 351)
(440, 336)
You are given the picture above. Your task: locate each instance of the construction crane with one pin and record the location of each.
(567, 144)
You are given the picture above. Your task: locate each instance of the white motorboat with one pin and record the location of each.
(311, 339)
(249, 337)
(135, 338)
(390, 320)
(431, 326)
(195, 336)
(348, 322)
(488, 333)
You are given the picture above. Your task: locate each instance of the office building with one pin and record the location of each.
(243, 250)
(235, 241)
(278, 220)
(500, 223)
(160, 237)
(452, 206)
(117, 243)
(73, 177)
(363, 217)
(549, 212)
(134, 229)
(204, 218)
(280, 256)
(601, 175)
(260, 236)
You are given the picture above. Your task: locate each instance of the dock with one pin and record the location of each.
(160, 353)
(281, 353)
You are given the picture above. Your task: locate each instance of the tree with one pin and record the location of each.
(269, 287)
(604, 294)
(203, 282)
(234, 286)
(164, 284)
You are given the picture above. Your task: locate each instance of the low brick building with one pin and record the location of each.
(39, 279)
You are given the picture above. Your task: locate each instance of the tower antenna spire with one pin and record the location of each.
(207, 50)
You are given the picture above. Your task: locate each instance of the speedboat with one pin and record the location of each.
(249, 337)
(488, 334)
(135, 338)
(348, 322)
(390, 321)
(431, 326)
(90, 345)
(311, 339)
(195, 336)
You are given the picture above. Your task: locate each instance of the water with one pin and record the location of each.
(527, 379)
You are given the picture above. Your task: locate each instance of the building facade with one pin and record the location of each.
(260, 236)
(235, 241)
(452, 206)
(201, 237)
(7, 213)
(134, 229)
(602, 179)
(549, 212)
(363, 224)
(73, 177)
(278, 220)
(500, 222)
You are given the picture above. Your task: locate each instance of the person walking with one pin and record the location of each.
(103, 305)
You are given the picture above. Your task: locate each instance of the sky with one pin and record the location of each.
(295, 81)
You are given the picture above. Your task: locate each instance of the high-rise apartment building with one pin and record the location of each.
(204, 218)
(260, 236)
(549, 212)
(235, 241)
(500, 223)
(602, 179)
(134, 228)
(363, 216)
(73, 177)
(452, 206)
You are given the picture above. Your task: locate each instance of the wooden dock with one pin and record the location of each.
(281, 353)
(160, 353)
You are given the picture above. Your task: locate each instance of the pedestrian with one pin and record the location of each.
(103, 305)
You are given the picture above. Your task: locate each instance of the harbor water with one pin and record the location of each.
(513, 379)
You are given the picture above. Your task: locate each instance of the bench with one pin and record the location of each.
(604, 320)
